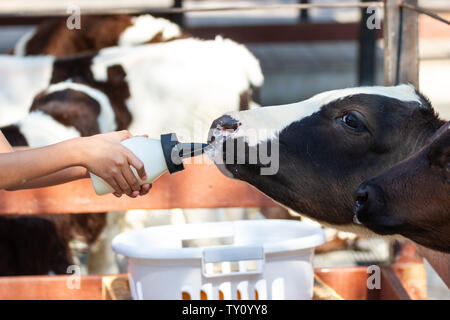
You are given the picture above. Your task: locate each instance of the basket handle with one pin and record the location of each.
(228, 254)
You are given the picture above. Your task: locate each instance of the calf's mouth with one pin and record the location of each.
(230, 147)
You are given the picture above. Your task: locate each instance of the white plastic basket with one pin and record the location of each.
(267, 259)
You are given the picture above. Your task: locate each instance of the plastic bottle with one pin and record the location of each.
(158, 157)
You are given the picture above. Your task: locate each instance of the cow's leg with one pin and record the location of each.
(102, 259)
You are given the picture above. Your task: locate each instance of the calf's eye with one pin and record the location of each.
(350, 120)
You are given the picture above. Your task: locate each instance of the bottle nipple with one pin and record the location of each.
(175, 152)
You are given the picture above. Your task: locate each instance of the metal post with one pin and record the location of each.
(178, 18)
(401, 54)
(401, 50)
(304, 16)
(367, 41)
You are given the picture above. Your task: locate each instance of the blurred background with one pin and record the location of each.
(311, 61)
(301, 53)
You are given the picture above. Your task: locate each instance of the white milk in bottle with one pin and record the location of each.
(158, 156)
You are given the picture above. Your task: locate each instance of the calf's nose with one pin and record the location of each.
(361, 203)
(225, 124)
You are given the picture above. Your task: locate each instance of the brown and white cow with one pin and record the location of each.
(22, 79)
(413, 197)
(311, 155)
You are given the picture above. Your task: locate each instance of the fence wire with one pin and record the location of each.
(424, 11)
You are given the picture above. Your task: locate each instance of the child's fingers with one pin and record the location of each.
(124, 134)
(115, 186)
(145, 188)
(134, 194)
(131, 178)
(138, 165)
(123, 184)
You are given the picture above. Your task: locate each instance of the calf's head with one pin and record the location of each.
(413, 197)
(312, 155)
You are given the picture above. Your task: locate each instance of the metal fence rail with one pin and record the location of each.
(29, 10)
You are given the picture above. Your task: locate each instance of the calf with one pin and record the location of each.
(322, 148)
(413, 197)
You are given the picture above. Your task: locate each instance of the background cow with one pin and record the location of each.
(327, 145)
(413, 197)
(52, 37)
(23, 79)
(41, 244)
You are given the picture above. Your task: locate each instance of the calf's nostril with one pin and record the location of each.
(231, 125)
(221, 128)
(226, 122)
(361, 205)
(362, 196)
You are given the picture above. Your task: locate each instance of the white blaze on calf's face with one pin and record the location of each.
(263, 124)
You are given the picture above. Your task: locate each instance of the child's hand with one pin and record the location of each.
(145, 188)
(106, 157)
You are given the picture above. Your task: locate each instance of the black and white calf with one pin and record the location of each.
(413, 197)
(324, 147)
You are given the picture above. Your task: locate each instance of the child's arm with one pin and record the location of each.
(102, 154)
(62, 176)
(67, 175)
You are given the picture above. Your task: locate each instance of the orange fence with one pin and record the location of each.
(199, 186)
(349, 282)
